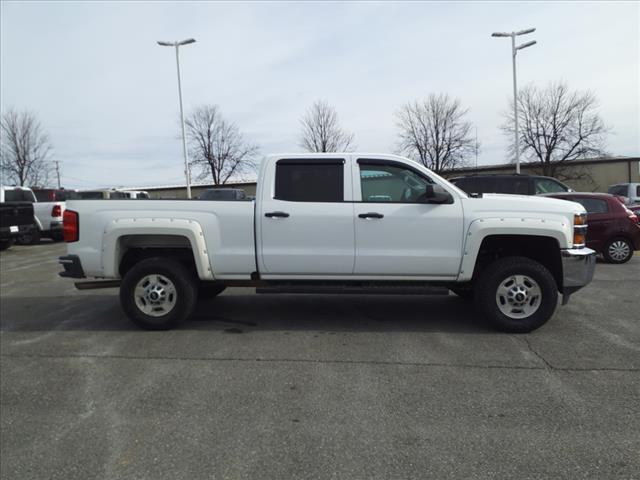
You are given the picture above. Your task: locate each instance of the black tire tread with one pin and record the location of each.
(183, 279)
(495, 273)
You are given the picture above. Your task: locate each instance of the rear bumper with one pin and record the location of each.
(15, 230)
(578, 267)
(72, 267)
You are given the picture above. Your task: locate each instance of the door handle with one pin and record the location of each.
(276, 214)
(371, 215)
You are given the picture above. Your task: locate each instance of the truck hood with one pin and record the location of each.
(517, 204)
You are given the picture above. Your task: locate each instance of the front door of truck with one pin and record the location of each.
(306, 227)
(397, 234)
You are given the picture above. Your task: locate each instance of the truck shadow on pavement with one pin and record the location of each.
(232, 313)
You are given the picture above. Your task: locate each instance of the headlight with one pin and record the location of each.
(579, 230)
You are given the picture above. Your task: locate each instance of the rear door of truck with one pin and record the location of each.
(305, 217)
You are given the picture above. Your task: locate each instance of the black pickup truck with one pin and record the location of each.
(16, 218)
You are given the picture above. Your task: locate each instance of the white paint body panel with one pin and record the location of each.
(413, 241)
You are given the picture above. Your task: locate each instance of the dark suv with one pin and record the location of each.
(512, 184)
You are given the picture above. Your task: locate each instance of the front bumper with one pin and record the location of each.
(578, 266)
(72, 267)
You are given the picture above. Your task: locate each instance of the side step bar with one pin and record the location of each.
(382, 290)
(97, 284)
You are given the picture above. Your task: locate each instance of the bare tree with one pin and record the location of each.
(556, 126)
(321, 130)
(217, 146)
(435, 133)
(24, 149)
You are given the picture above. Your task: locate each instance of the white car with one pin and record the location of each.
(48, 216)
(629, 190)
(335, 220)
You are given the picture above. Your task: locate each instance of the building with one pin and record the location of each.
(169, 192)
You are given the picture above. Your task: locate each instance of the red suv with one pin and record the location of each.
(613, 229)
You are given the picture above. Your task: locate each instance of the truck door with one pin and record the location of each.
(306, 227)
(397, 234)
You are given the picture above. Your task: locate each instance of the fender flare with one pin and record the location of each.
(120, 227)
(480, 229)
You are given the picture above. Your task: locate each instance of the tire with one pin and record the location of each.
(158, 293)
(208, 290)
(516, 294)
(30, 238)
(618, 250)
(465, 293)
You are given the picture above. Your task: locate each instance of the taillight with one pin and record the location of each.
(56, 211)
(634, 218)
(70, 226)
(579, 230)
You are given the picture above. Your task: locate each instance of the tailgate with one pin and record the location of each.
(16, 213)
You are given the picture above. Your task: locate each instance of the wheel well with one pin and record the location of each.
(134, 248)
(544, 250)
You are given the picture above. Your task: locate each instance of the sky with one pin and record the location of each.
(107, 93)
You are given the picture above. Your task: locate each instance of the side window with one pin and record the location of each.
(512, 185)
(310, 182)
(618, 190)
(638, 191)
(546, 185)
(387, 183)
(593, 205)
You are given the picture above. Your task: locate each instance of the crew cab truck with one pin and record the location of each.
(337, 220)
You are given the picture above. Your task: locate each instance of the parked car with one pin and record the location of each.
(101, 194)
(16, 217)
(48, 216)
(511, 184)
(613, 228)
(629, 190)
(53, 194)
(223, 194)
(334, 220)
(138, 194)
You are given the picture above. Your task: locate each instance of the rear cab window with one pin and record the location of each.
(309, 180)
(593, 205)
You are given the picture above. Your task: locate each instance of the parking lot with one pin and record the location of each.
(313, 386)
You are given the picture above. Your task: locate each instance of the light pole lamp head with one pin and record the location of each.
(186, 42)
(166, 44)
(500, 34)
(525, 45)
(524, 32)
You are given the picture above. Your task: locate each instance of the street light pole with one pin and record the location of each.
(514, 51)
(187, 172)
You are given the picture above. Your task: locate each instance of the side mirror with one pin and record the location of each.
(435, 194)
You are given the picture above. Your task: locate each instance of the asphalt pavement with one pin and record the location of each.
(313, 386)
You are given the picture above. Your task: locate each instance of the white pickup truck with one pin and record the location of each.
(334, 220)
(47, 215)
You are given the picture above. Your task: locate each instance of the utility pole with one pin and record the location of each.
(57, 162)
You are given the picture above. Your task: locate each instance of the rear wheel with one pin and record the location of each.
(32, 237)
(618, 250)
(516, 294)
(158, 293)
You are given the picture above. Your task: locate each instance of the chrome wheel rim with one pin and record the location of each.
(518, 296)
(619, 250)
(155, 295)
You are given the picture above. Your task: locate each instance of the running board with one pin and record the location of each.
(97, 284)
(383, 290)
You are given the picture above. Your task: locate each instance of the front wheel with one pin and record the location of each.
(516, 294)
(619, 250)
(158, 293)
